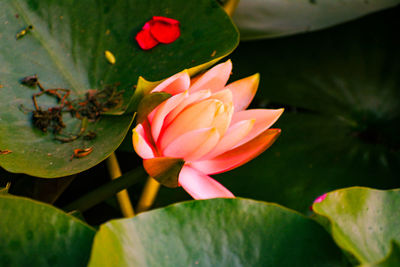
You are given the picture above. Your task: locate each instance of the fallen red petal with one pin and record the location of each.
(146, 26)
(165, 32)
(165, 20)
(158, 30)
(144, 39)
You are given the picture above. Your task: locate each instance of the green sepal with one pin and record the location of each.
(164, 169)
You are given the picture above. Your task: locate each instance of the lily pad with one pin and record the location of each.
(363, 221)
(37, 234)
(272, 18)
(393, 259)
(65, 48)
(216, 232)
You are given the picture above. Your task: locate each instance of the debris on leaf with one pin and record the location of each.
(81, 152)
(87, 109)
(55, 92)
(51, 118)
(90, 135)
(96, 102)
(22, 33)
(5, 152)
(30, 80)
(213, 53)
(110, 57)
(74, 137)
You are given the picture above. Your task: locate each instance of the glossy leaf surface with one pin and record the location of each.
(37, 234)
(363, 221)
(66, 49)
(217, 232)
(272, 18)
(393, 259)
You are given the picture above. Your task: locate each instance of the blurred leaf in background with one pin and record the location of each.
(258, 19)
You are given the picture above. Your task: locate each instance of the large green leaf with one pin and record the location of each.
(393, 259)
(341, 91)
(217, 232)
(363, 221)
(271, 18)
(36, 234)
(66, 49)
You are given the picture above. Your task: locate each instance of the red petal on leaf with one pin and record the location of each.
(164, 30)
(165, 20)
(146, 26)
(145, 39)
(158, 30)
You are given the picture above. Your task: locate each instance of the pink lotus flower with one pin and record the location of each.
(205, 124)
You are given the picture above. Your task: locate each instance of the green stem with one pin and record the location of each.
(148, 196)
(106, 191)
(123, 196)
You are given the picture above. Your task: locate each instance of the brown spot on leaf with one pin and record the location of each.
(5, 152)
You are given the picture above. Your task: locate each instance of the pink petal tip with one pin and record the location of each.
(201, 186)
